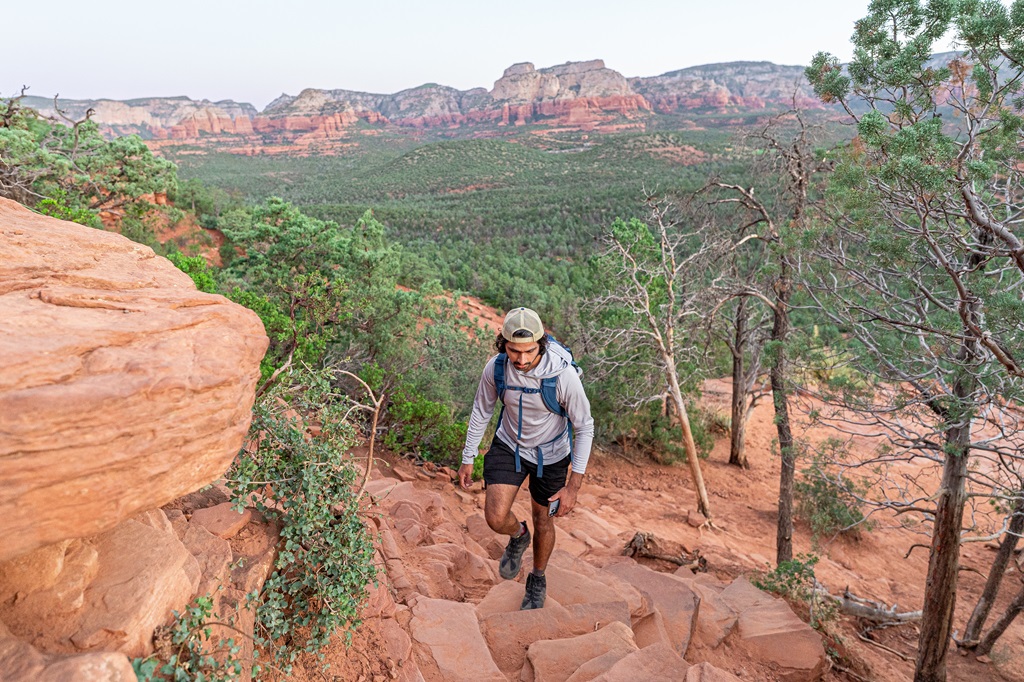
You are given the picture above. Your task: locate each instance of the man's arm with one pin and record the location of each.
(483, 408)
(577, 408)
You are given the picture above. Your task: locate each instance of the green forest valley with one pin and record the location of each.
(800, 325)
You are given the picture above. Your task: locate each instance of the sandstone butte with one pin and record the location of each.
(585, 96)
(123, 386)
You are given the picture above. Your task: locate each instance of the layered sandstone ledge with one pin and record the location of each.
(123, 386)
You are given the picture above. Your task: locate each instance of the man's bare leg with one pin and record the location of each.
(498, 508)
(543, 536)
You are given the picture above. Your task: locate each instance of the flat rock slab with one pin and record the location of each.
(769, 631)
(705, 672)
(670, 595)
(509, 635)
(123, 386)
(716, 619)
(20, 662)
(221, 520)
(451, 634)
(564, 659)
(655, 663)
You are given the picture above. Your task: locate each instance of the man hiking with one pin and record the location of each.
(545, 414)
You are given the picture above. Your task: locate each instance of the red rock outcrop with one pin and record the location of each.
(124, 387)
(575, 95)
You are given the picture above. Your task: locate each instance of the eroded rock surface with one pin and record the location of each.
(123, 386)
(607, 617)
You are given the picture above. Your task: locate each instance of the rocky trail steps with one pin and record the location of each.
(441, 612)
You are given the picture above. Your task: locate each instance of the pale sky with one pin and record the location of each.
(254, 51)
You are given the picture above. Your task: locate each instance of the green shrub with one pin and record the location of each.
(827, 501)
(196, 268)
(325, 555)
(57, 206)
(187, 651)
(794, 580)
(425, 427)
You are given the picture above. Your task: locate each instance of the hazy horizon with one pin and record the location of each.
(112, 49)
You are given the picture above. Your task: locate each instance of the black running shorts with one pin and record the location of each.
(500, 468)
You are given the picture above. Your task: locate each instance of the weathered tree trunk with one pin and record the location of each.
(780, 332)
(738, 430)
(1004, 621)
(972, 633)
(944, 561)
(703, 506)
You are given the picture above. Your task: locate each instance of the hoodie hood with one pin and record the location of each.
(554, 361)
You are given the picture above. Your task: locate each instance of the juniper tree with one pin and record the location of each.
(68, 163)
(769, 223)
(925, 265)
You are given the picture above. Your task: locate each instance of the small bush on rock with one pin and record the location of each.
(186, 650)
(307, 483)
(794, 580)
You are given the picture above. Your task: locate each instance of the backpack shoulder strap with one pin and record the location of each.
(499, 375)
(549, 392)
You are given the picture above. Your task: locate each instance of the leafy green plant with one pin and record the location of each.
(191, 653)
(423, 426)
(828, 501)
(57, 206)
(794, 580)
(306, 483)
(196, 268)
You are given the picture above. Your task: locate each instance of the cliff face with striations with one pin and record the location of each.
(576, 95)
(722, 87)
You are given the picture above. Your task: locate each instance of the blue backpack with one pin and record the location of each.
(549, 394)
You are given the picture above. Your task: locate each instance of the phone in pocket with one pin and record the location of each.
(553, 507)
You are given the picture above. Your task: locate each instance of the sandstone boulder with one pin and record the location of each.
(20, 662)
(768, 630)
(670, 595)
(564, 659)
(510, 634)
(449, 634)
(221, 520)
(110, 594)
(655, 663)
(123, 386)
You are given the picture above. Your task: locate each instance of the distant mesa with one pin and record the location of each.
(576, 95)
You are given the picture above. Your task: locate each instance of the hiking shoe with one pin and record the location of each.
(536, 591)
(512, 559)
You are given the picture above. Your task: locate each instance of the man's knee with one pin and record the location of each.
(541, 521)
(495, 518)
(496, 510)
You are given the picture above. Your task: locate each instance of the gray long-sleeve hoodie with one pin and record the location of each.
(541, 427)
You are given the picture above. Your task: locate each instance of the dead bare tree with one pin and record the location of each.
(745, 346)
(659, 272)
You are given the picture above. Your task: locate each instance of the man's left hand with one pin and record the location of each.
(567, 495)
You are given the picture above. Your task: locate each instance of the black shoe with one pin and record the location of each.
(536, 592)
(512, 559)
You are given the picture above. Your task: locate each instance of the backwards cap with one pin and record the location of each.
(524, 321)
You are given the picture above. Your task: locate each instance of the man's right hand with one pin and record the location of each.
(466, 476)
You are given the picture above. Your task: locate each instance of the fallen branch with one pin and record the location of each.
(868, 609)
(648, 546)
(377, 402)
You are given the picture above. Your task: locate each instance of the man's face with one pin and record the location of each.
(525, 355)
